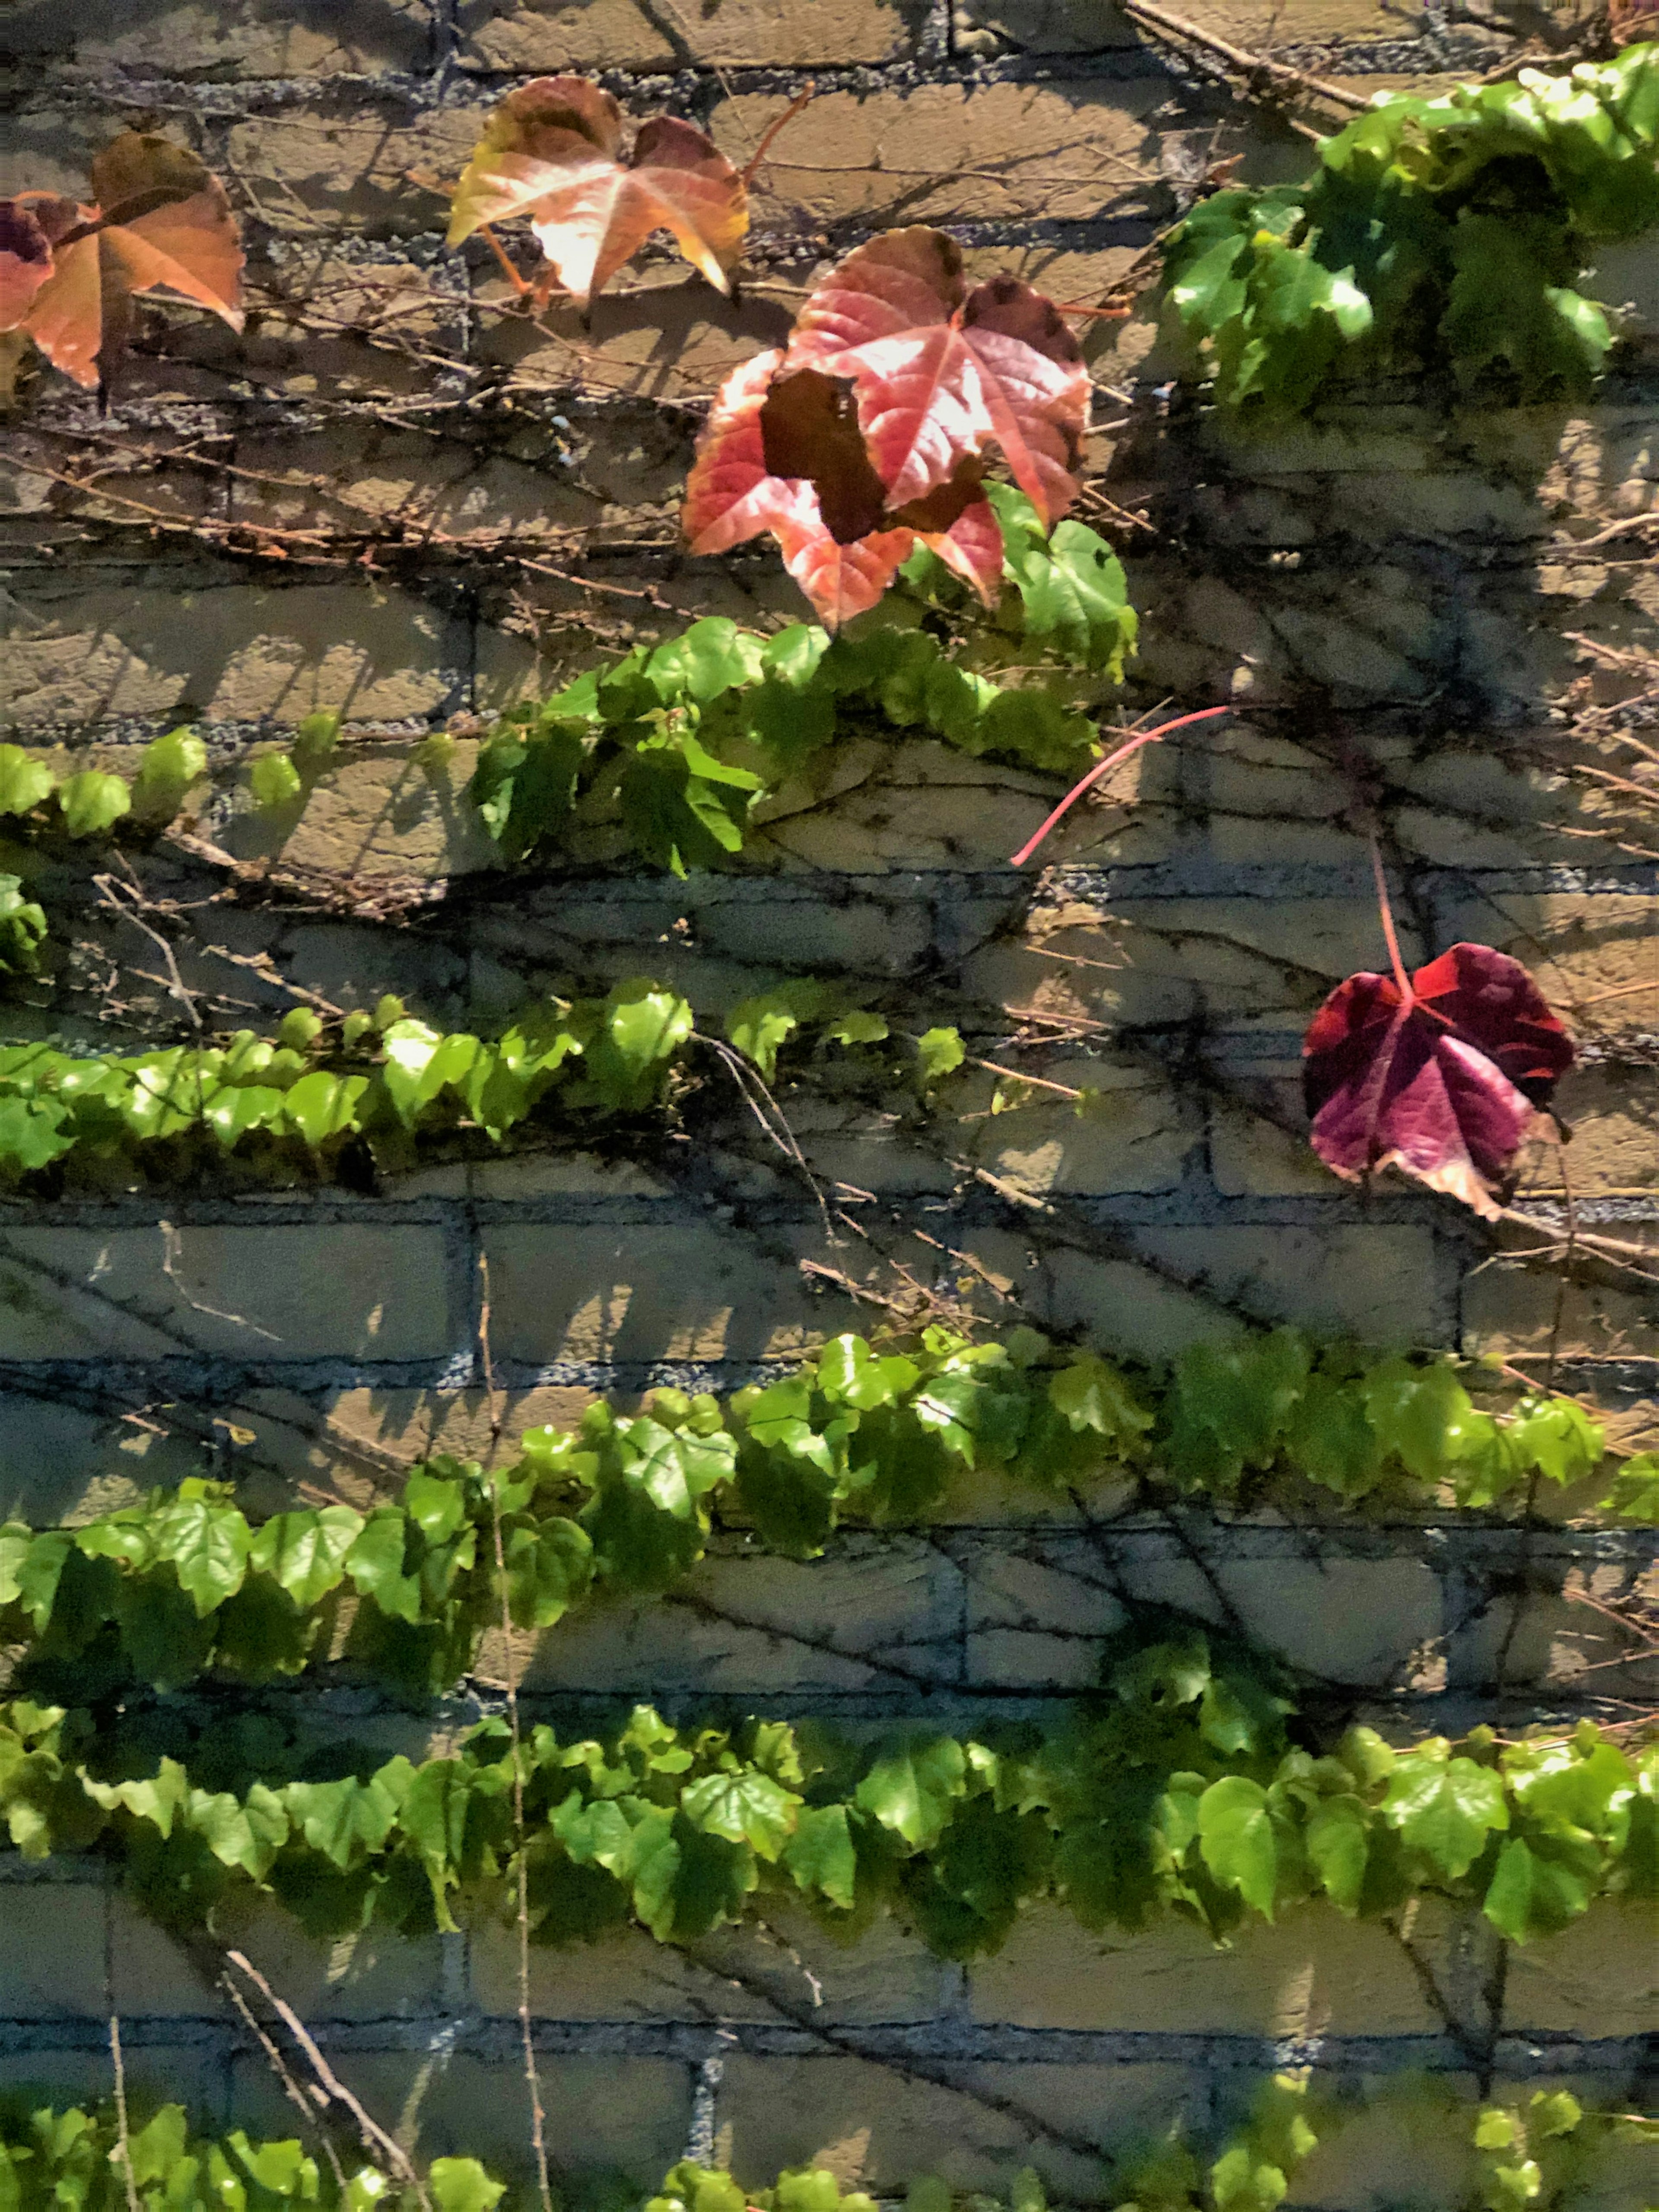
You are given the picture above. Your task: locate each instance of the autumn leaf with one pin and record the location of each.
(734, 492)
(940, 372)
(25, 260)
(161, 223)
(550, 152)
(1441, 1080)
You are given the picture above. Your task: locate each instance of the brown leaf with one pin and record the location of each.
(163, 224)
(549, 152)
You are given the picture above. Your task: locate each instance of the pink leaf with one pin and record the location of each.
(1442, 1082)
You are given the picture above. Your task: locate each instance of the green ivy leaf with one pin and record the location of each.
(911, 1787)
(938, 1052)
(550, 1568)
(92, 802)
(169, 765)
(26, 781)
(822, 1856)
(1635, 1492)
(460, 2185)
(1532, 1894)
(23, 929)
(1445, 1807)
(746, 1807)
(208, 1545)
(1237, 1839)
(274, 780)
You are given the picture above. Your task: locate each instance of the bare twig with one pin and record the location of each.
(521, 1841)
(291, 2089)
(123, 2135)
(333, 2087)
(1293, 80)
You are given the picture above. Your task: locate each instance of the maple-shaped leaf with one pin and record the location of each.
(736, 490)
(161, 223)
(940, 372)
(1442, 1080)
(25, 260)
(550, 152)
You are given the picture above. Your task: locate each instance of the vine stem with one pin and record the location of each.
(521, 1856)
(1386, 911)
(773, 128)
(123, 2137)
(1104, 768)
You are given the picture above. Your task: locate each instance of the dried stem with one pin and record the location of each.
(773, 128)
(123, 2134)
(521, 1852)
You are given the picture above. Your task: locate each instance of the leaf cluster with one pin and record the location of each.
(1176, 1789)
(1449, 233)
(166, 1590)
(679, 743)
(387, 1076)
(159, 222)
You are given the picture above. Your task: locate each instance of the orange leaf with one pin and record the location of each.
(940, 372)
(25, 260)
(549, 152)
(163, 225)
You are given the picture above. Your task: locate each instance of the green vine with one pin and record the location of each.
(72, 2160)
(1444, 233)
(163, 1591)
(671, 748)
(1179, 1788)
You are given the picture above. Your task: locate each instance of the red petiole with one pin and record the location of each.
(1105, 766)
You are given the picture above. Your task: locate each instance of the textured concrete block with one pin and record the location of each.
(379, 813)
(1600, 1977)
(779, 1966)
(954, 152)
(1521, 1313)
(1378, 1283)
(876, 1613)
(878, 2128)
(564, 34)
(232, 653)
(351, 1291)
(1314, 1973)
(687, 1293)
(246, 38)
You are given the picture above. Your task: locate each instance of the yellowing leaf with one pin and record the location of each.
(550, 152)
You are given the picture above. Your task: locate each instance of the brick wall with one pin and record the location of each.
(1398, 584)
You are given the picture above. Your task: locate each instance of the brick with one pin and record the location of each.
(316, 1292)
(953, 152)
(660, 333)
(877, 2128)
(1037, 1617)
(775, 1967)
(877, 1612)
(379, 813)
(1311, 1974)
(1407, 2146)
(686, 1292)
(1129, 1312)
(1251, 1157)
(1578, 949)
(1166, 960)
(233, 653)
(618, 2116)
(245, 38)
(518, 35)
(1136, 1135)
(373, 1974)
(1512, 1311)
(1378, 1283)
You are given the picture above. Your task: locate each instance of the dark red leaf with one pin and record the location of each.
(1443, 1083)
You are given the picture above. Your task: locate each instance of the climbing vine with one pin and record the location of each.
(52, 2157)
(162, 1591)
(1179, 1788)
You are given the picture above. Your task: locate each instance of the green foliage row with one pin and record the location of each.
(1177, 1787)
(677, 744)
(680, 741)
(161, 1592)
(1449, 233)
(72, 2160)
(381, 1078)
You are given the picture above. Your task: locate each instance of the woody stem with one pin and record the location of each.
(1386, 913)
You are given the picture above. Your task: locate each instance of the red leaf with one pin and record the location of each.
(940, 372)
(1442, 1082)
(757, 428)
(25, 260)
(549, 151)
(162, 224)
